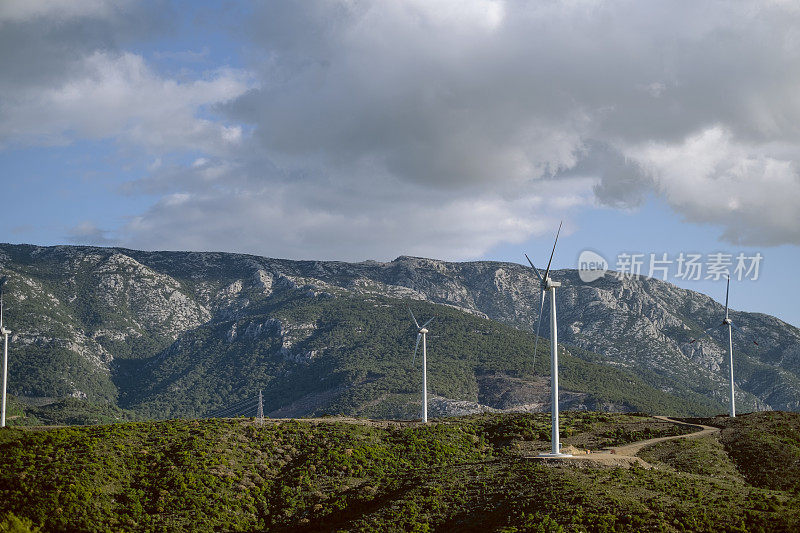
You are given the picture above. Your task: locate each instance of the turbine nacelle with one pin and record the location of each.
(545, 283)
(421, 331)
(727, 321)
(549, 284)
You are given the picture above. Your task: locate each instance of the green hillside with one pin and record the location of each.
(764, 446)
(65, 412)
(457, 474)
(362, 363)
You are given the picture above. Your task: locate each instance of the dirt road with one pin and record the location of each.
(625, 455)
(634, 448)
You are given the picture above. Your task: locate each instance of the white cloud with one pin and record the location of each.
(111, 95)
(447, 14)
(711, 178)
(306, 217)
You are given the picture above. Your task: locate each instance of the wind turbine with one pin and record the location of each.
(5, 333)
(548, 285)
(422, 332)
(726, 322)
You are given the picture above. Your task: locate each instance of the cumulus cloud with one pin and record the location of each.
(66, 77)
(41, 42)
(305, 217)
(499, 95)
(369, 129)
(117, 95)
(417, 89)
(709, 173)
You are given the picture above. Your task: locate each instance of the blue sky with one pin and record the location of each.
(457, 130)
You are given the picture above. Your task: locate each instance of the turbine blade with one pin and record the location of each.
(413, 317)
(538, 275)
(742, 333)
(706, 333)
(546, 272)
(727, 291)
(538, 324)
(419, 335)
(428, 322)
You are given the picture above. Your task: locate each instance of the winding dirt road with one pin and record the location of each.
(625, 455)
(632, 449)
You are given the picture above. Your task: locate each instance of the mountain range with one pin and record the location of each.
(186, 334)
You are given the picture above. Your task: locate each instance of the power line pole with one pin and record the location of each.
(260, 415)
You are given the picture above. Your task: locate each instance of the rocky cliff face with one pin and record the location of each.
(83, 316)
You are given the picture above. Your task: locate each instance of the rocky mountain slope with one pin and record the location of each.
(143, 328)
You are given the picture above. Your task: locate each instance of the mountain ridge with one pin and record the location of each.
(98, 312)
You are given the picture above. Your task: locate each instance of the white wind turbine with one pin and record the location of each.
(549, 286)
(421, 333)
(5, 333)
(726, 322)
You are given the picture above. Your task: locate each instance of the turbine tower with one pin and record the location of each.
(727, 323)
(5, 333)
(422, 332)
(549, 286)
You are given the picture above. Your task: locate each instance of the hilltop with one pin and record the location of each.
(457, 474)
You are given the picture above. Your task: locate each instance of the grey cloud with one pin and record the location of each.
(393, 89)
(44, 45)
(620, 181)
(483, 102)
(369, 124)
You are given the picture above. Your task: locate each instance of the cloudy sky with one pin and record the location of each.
(454, 129)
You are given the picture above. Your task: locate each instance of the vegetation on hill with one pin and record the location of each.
(356, 355)
(66, 412)
(457, 474)
(704, 456)
(764, 446)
